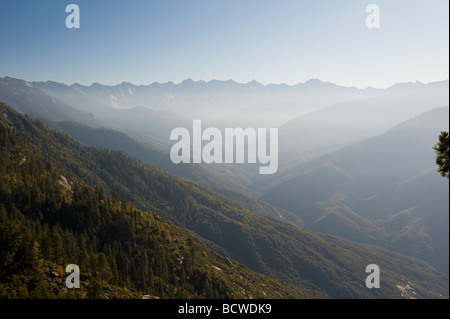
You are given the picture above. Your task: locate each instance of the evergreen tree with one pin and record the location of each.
(442, 154)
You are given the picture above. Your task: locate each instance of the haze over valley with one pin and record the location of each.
(224, 150)
(361, 169)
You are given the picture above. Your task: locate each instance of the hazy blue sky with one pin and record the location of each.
(282, 41)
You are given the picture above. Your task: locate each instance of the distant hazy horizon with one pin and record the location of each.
(227, 80)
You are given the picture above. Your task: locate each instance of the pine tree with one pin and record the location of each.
(442, 154)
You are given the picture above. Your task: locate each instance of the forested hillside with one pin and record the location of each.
(222, 179)
(325, 264)
(47, 223)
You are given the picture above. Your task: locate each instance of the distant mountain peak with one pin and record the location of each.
(96, 85)
(157, 84)
(314, 81)
(255, 83)
(403, 85)
(14, 80)
(190, 83)
(222, 82)
(187, 81)
(126, 84)
(52, 84)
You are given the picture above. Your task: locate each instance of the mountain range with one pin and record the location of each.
(321, 263)
(357, 182)
(214, 100)
(384, 190)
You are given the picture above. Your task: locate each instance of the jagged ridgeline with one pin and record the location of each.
(48, 222)
(97, 197)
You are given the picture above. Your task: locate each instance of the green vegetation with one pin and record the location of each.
(442, 154)
(318, 265)
(47, 223)
(148, 154)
